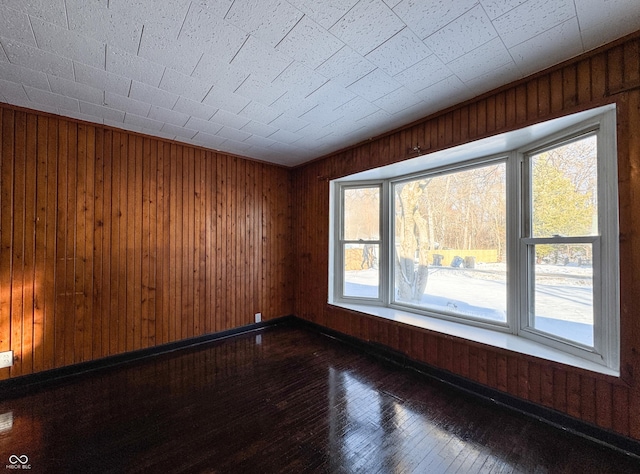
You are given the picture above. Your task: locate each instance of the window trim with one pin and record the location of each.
(605, 353)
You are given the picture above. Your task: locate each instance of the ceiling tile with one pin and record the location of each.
(217, 7)
(52, 99)
(237, 147)
(423, 74)
(230, 120)
(206, 31)
(23, 75)
(76, 90)
(203, 125)
(398, 100)
(52, 11)
(284, 136)
(259, 112)
(495, 8)
(357, 108)
(268, 20)
(346, 67)
(103, 112)
(130, 65)
(292, 105)
(195, 109)
(374, 85)
(233, 134)
(309, 43)
(168, 51)
(166, 16)
(602, 21)
(287, 122)
(69, 44)
(101, 79)
(259, 141)
(223, 99)
(444, 93)
(481, 60)
(12, 91)
(33, 58)
(549, 48)
(186, 86)
(152, 95)
(320, 115)
(486, 82)
(126, 104)
(260, 60)
(263, 92)
(143, 122)
(178, 131)
(462, 35)
(299, 79)
(15, 25)
(427, 17)
(324, 12)
(399, 52)
(208, 140)
(169, 116)
(220, 73)
(105, 25)
(532, 18)
(260, 129)
(332, 95)
(367, 25)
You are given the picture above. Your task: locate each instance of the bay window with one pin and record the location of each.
(516, 234)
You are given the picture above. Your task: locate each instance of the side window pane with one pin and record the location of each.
(563, 291)
(361, 274)
(564, 184)
(362, 213)
(449, 244)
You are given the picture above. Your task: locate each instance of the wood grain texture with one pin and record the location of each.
(113, 242)
(608, 75)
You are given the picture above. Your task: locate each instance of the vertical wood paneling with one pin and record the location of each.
(588, 81)
(6, 229)
(112, 242)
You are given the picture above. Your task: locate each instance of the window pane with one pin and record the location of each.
(361, 274)
(563, 293)
(564, 190)
(450, 233)
(362, 213)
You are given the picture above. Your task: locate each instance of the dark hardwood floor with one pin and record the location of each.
(280, 400)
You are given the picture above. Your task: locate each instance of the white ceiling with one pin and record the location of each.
(284, 81)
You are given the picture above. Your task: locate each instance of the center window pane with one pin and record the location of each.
(449, 243)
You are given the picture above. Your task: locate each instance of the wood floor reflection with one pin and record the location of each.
(280, 400)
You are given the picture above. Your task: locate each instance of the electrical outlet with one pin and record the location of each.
(6, 359)
(258, 317)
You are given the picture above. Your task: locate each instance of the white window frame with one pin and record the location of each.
(605, 353)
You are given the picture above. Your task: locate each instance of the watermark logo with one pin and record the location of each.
(18, 461)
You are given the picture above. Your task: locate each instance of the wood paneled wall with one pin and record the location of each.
(611, 74)
(111, 241)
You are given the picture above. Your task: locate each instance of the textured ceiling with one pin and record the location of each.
(283, 81)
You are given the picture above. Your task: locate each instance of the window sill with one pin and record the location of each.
(483, 336)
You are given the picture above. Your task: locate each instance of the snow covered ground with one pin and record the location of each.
(563, 297)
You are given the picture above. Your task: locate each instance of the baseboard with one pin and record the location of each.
(555, 418)
(19, 386)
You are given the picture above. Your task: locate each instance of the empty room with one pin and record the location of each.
(378, 236)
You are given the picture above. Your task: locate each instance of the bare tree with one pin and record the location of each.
(412, 241)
